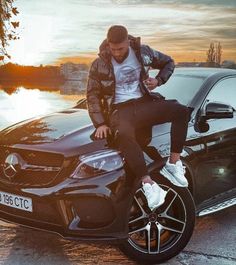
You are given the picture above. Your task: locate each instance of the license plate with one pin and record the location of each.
(16, 201)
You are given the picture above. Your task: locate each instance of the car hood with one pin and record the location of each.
(67, 132)
(58, 131)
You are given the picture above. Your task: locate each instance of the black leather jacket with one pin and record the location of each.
(101, 80)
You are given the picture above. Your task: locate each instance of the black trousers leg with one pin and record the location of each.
(123, 126)
(155, 112)
(130, 117)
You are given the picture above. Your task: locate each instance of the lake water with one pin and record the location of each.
(23, 103)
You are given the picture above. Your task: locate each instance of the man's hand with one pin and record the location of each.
(151, 83)
(102, 131)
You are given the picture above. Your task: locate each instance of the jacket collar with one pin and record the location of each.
(104, 51)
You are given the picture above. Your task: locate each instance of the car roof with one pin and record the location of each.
(203, 71)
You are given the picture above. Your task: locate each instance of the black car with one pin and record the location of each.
(55, 176)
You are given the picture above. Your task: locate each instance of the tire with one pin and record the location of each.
(168, 229)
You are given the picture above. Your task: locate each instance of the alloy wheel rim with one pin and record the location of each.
(154, 232)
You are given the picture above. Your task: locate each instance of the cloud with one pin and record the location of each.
(86, 58)
(230, 3)
(70, 28)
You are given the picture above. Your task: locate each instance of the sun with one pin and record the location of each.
(34, 44)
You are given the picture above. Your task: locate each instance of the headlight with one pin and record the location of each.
(97, 163)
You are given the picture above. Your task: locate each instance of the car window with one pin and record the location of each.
(224, 91)
(181, 87)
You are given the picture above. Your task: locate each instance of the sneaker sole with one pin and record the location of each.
(171, 178)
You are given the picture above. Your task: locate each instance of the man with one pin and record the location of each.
(120, 103)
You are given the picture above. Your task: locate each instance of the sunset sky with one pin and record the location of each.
(56, 31)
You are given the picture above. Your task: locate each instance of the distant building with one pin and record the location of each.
(72, 71)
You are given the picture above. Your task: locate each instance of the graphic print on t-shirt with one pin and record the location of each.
(126, 76)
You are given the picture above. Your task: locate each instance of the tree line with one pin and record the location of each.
(16, 72)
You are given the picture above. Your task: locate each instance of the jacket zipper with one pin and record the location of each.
(114, 79)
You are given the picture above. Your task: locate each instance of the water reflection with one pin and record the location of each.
(32, 133)
(72, 87)
(20, 102)
(46, 129)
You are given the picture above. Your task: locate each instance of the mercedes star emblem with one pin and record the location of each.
(12, 165)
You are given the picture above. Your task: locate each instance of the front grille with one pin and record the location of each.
(37, 169)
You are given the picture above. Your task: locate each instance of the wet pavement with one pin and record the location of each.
(213, 243)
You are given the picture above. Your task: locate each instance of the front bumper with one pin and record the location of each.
(89, 209)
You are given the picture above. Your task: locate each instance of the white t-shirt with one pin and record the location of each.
(127, 75)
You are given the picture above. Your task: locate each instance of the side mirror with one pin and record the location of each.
(212, 110)
(217, 110)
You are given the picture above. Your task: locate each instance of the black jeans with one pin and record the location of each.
(128, 117)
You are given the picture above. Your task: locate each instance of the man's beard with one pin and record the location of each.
(121, 59)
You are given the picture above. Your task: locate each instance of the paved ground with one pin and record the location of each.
(213, 243)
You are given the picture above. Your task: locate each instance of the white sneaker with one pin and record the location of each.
(154, 194)
(175, 173)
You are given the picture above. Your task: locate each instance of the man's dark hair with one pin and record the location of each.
(117, 34)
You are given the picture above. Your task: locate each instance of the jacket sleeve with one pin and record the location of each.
(94, 98)
(162, 62)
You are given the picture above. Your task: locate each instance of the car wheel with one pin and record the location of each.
(156, 236)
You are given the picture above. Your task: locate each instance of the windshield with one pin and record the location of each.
(181, 87)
